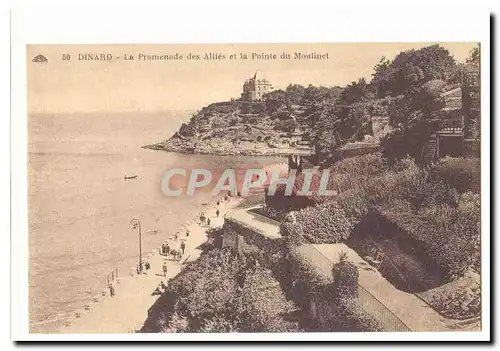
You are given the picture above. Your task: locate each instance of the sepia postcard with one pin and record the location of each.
(223, 189)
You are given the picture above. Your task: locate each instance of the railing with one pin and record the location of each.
(451, 125)
(386, 319)
(252, 200)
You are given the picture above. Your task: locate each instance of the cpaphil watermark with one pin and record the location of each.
(254, 178)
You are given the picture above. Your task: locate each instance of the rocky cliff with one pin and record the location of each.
(236, 128)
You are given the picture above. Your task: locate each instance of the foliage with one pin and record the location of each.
(423, 202)
(327, 132)
(450, 235)
(427, 97)
(369, 164)
(357, 91)
(463, 174)
(459, 299)
(345, 277)
(351, 317)
(264, 304)
(324, 223)
(309, 279)
(411, 69)
(224, 292)
(177, 324)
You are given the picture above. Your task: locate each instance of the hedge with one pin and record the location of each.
(450, 235)
(463, 174)
(325, 223)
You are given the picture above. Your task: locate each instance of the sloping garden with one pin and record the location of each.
(437, 210)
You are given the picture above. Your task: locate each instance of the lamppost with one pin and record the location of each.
(137, 225)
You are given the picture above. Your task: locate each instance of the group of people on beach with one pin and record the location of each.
(166, 250)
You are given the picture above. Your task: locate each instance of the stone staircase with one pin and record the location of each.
(429, 150)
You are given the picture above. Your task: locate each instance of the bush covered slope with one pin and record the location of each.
(224, 292)
(439, 207)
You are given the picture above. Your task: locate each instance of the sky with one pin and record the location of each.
(119, 85)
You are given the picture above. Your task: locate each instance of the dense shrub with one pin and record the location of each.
(337, 290)
(416, 186)
(425, 205)
(345, 277)
(459, 299)
(369, 164)
(309, 278)
(351, 317)
(225, 292)
(450, 235)
(325, 223)
(264, 304)
(464, 174)
(347, 174)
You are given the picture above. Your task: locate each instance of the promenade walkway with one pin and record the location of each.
(128, 309)
(263, 225)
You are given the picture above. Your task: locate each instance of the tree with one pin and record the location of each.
(381, 77)
(474, 56)
(275, 101)
(356, 92)
(295, 93)
(462, 71)
(312, 95)
(345, 277)
(412, 68)
(327, 135)
(427, 98)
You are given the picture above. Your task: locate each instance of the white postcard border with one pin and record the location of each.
(146, 22)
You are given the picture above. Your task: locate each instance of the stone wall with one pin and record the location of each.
(247, 240)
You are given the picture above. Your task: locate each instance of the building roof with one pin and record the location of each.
(258, 75)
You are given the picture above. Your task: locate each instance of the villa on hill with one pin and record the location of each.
(255, 87)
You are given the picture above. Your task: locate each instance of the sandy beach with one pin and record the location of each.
(128, 309)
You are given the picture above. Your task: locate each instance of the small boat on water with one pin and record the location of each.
(130, 177)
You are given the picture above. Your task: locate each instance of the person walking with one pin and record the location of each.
(167, 249)
(165, 268)
(183, 247)
(164, 249)
(217, 212)
(187, 233)
(208, 222)
(111, 289)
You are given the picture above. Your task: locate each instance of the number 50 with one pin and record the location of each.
(66, 57)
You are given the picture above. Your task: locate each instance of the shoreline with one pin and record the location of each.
(135, 289)
(218, 152)
(214, 152)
